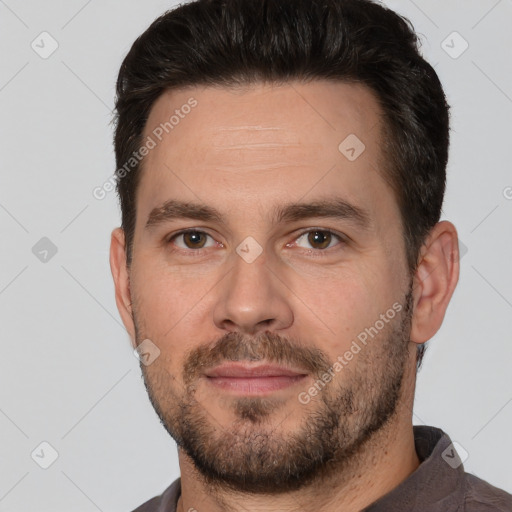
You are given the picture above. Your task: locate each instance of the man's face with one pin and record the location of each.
(263, 295)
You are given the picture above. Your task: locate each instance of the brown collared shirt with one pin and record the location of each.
(439, 484)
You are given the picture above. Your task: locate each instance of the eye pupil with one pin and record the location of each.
(194, 239)
(321, 238)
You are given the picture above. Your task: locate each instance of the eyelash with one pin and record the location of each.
(189, 252)
(342, 240)
(319, 253)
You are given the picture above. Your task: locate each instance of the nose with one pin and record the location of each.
(252, 299)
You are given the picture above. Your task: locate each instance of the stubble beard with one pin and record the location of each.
(253, 454)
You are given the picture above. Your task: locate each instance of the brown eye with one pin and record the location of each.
(194, 239)
(319, 239)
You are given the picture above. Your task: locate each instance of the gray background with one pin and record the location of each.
(68, 375)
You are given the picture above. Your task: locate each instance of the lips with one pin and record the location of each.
(252, 380)
(237, 370)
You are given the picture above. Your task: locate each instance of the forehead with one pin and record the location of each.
(266, 143)
(312, 115)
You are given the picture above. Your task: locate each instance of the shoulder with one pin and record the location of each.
(166, 502)
(481, 496)
(152, 505)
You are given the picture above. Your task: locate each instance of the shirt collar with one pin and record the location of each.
(438, 480)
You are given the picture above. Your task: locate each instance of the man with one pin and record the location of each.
(281, 264)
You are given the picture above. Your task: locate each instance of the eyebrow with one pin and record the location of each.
(333, 207)
(174, 209)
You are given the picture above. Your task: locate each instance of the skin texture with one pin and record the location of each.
(302, 301)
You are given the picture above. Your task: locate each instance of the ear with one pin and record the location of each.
(434, 280)
(121, 277)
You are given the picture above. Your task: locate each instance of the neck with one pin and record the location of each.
(386, 460)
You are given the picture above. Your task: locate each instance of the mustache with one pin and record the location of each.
(265, 346)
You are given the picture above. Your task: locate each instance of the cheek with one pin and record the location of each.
(169, 303)
(341, 303)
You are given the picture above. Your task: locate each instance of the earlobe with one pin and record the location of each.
(121, 278)
(435, 280)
